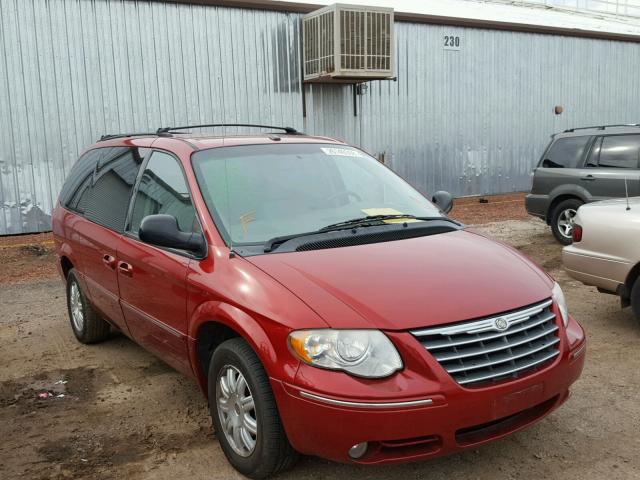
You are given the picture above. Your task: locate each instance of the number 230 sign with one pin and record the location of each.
(452, 42)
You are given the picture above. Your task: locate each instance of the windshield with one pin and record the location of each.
(258, 192)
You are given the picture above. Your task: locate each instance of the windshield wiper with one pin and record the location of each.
(375, 219)
(369, 220)
(272, 243)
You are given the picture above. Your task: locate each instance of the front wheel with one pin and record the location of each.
(562, 219)
(244, 412)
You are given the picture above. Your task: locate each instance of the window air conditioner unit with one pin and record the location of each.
(348, 44)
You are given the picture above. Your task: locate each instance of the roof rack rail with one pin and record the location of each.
(121, 135)
(166, 131)
(288, 130)
(602, 127)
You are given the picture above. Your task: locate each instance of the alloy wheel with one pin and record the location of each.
(237, 411)
(75, 304)
(565, 222)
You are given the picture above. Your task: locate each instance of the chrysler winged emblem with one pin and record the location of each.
(500, 324)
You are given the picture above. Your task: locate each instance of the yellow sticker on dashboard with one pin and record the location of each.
(388, 211)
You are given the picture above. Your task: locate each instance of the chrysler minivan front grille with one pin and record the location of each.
(495, 348)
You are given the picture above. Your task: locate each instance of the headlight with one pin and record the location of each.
(364, 353)
(558, 297)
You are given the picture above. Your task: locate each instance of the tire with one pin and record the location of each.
(261, 453)
(563, 214)
(87, 325)
(635, 299)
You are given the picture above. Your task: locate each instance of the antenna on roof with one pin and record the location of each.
(626, 193)
(232, 252)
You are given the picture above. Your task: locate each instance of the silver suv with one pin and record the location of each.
(583, 165)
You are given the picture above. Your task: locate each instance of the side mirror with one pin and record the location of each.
(443, 200)
(162, 230)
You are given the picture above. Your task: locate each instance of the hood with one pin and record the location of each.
(410, 283)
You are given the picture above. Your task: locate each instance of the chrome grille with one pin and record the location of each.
(495, 348)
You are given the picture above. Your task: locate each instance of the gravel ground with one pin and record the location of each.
(124, 414)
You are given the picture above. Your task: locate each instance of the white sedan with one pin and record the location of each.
(606, 249)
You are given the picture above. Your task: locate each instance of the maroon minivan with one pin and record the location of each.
(323, 305)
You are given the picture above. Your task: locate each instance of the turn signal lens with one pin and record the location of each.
(577, 233)
(297, 344)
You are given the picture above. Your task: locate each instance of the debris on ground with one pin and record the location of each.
(34, 249)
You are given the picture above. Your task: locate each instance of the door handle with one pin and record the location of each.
(109, 261)
(125, 269)
(588, 178)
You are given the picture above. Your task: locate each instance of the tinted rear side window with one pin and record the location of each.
(115, 176)
(620, 151)
(100, 184)
(76, 181)
(566, 152)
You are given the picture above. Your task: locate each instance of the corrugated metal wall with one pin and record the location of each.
(471, 121)
(72, 70)
(475, 121)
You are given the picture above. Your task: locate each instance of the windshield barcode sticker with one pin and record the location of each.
(342, 152)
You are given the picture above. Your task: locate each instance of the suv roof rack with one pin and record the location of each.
(288, 130)
(602, 127)
(166, 131)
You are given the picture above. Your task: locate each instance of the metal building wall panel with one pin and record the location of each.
(72, 70)
(7, 155)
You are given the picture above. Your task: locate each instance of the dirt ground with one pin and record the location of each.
(115, 411)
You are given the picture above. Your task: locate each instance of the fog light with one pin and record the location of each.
(358, 450)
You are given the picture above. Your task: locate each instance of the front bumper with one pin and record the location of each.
(399, 428)
(537, 205)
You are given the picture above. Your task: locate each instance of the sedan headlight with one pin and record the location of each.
(558, 297)
(363, 353)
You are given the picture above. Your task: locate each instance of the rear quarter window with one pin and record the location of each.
(566, 152)
(99, 185)
(620, 151)
(81, 171)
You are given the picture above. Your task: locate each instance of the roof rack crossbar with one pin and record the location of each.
(602, 127)
(289, 130)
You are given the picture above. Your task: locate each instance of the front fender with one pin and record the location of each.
(271, 349)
